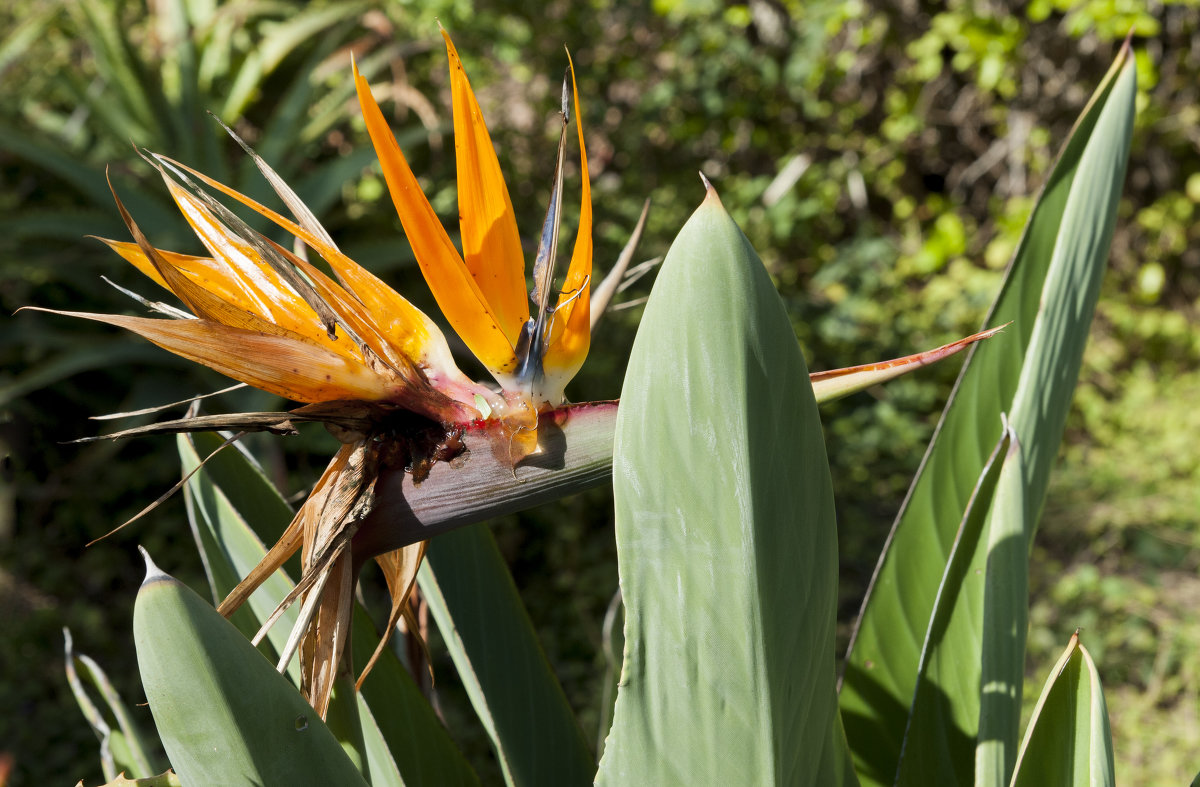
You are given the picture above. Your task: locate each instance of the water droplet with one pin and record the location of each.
(301, 723)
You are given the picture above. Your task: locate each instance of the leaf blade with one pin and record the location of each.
(224, 714)
(1028, 371)
(1068, 740)
(725, 534)
(472, 597)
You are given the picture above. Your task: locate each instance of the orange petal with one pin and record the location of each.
(212, 274)
(405, 327)
(457, 294)
(262, 289)
(217, 278)
(491, 244)
(571, 335)
(266, 291)
(288, 366)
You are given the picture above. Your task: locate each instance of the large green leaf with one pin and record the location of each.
(1068, 741)
(1029, 371)
(727, 546)
(225, 716)
(501, 663)
(1005, 620)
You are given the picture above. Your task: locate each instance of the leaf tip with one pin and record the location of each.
(1126, 49)
(153, 572)
(711, 197)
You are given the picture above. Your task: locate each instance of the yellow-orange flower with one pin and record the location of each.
(360, 355)
(482, 293)
(267, 317)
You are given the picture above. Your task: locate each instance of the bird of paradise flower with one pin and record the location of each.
(372, 367)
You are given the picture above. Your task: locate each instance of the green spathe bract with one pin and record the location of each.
(224, 715)
(725, 534)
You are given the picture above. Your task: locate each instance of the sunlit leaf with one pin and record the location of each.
(726, 541)
(225, 716)
(1029, 371)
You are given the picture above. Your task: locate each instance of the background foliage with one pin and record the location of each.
(880, 156)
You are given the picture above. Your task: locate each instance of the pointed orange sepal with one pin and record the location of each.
(455, 290)
(491, 244)
(286, 365)
(405, 327)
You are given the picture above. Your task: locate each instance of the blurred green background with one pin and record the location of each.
(881, 156)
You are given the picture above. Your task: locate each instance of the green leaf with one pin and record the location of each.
(381, 766)
(167, 779)
(1005, 622)
(122, 746)
(97, 354)
(344, 721)
(281, 40)
(408, 726)
(982, 590)
(116, 63)
(1068, 741)
(1028, 370)
(502, 666)
(726, 540)
(613, 646)
(224, 714)
(229, 547)
(20, 39)
(89, 181)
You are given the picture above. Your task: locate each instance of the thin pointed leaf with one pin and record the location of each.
(603, 293)
(1068, 741)
(224, 714)
(105, 353)
(122, 746)
(1028, 371)
(488, 633)
(282, 40)
(836, 383)
(88, 181)
(726, 540)
(115, 61)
